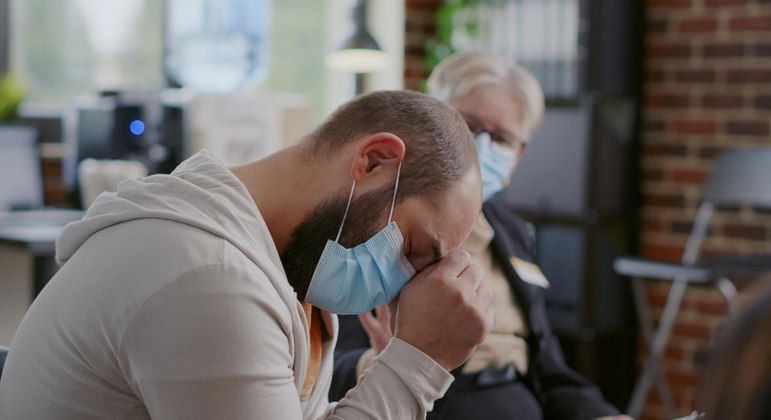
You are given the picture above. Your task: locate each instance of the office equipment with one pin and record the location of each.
(145, 126)
(739, 177)
(21, 182)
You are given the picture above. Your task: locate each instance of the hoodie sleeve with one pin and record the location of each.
(212, 344)
(403, 383)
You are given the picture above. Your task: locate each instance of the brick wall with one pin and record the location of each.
(419, 26)
(708, 87)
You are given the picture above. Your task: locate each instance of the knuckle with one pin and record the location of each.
(458, 297)
(459, 256)
(475, 271)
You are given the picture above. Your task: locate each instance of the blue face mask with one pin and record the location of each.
(356, 280)
(495, 163)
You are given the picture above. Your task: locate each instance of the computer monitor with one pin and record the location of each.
(21, 181)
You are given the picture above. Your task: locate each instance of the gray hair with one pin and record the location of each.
(460, 73)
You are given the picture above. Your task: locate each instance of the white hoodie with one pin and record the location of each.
(172, 303)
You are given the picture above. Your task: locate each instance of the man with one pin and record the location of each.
(205, 293)
(518, 372)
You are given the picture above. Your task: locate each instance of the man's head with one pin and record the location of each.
(493, 94)
(438, 195)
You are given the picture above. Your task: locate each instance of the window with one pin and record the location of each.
(61, 48)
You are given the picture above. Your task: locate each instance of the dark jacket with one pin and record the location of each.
(560, 392)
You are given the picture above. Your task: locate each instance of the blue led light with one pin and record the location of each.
(137, 127)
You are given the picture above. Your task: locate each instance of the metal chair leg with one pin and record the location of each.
(646, 325)
(656, 350)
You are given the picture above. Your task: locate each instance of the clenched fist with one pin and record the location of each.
(445, 310)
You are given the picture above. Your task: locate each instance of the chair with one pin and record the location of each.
(739, 177)
(3, 355)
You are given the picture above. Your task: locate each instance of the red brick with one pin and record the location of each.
(656, 25)
(707, 76)
(657, 297)
(652, 174)
(679, 226)
(762, 49)
(713, 308)
(690, 329)
(415, 51)
(694, 126)
(698, 25)
(674, 353)
(721, 101)
(692, 176)
(748, 128)
(723, 50)
(668, 3)
(668, 50)
(651, 224)
(724, 2)
(756, 23)
(709, 152)
(654, 125)
(52, 168)
(422, 5)
(55, 195)
(664, 200)
(748, 76)
(661, 252)
(763, 102)
(667, 101)
(420, 27)
(665, 150)
(745, 231)
(654, 76)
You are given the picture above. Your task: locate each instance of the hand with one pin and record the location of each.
(445, 310)
(378, 328)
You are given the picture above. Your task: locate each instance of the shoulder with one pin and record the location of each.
(222, 308)
(510, 229)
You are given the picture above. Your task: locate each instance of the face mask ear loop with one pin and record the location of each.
(347, 206)
(396, 187)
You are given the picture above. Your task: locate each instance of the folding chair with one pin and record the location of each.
(739, 177)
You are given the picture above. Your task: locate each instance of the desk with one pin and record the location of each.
(35, 233)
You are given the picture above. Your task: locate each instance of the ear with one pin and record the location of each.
(377, 153)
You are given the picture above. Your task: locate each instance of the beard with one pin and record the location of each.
(322, 223)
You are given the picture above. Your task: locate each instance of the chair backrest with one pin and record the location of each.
(740, 176)
(3, 355)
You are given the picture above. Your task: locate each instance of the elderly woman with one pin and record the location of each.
(519, 370)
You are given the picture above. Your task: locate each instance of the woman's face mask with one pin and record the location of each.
(356, 280)
(496, 162)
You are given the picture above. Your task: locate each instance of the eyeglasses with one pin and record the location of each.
(504, 138)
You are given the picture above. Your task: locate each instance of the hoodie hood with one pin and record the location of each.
(202, 192)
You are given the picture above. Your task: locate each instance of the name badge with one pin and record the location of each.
(529, 272)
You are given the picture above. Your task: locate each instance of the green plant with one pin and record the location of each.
(11, 94)
(441, 45)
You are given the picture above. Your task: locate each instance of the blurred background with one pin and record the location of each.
(642, 96)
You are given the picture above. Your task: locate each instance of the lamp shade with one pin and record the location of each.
(359, 52)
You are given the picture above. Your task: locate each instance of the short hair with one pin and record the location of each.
(460, 73)
(439, 149)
